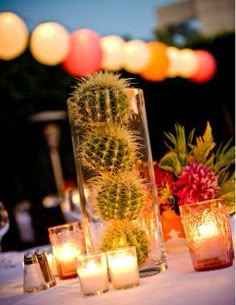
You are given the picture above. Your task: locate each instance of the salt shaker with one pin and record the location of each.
(47, 272)
(33, 280)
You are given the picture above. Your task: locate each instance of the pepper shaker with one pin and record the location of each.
(33, 280)
(47, 272)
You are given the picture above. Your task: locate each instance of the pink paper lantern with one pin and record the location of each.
(85, 53)
(206, 67)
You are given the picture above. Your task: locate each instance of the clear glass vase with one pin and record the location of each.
(118, 201)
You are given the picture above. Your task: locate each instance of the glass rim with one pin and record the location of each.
(91, 255)
(65, 225)
(202, 202)
(121, 249)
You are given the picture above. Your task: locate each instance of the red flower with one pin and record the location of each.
(163, 178)
(195, 183)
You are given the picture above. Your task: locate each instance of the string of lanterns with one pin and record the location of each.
(84, 51)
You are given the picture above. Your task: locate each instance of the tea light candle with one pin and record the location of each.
(123, 268)
(92, 272)
(65, 256)
(207, 237)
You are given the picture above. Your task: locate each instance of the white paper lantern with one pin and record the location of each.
(188, 63)
(112, 52)
(13, 36)
(174, 62)
(136, 55)
(49, 43)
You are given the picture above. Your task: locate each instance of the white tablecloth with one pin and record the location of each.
(178, 285)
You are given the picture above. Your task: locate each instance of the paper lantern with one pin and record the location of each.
(49, 43)
(112, 52)
(174, 61)
(156, 69)
(136, 56)
(206, 67)
(85, 53)
(13, 36)
(188, 63)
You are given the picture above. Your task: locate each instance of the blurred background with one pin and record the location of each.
(33, 96)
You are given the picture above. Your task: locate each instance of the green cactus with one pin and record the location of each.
(123, 233)
(120, 196)
(100, 97)
(108, 148)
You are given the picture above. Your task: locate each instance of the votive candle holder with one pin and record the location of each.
(68, 243)
(123, 267)
(208, 234)
(92, 273)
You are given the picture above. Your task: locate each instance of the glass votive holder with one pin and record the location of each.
(123, 267)
(208, 234)
(93, 274)
(67, 242)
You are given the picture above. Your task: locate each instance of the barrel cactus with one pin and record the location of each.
(108, 148)
(120, 196)
(100, 97)
(123, 233)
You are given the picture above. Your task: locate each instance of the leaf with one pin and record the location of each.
(204, 145)
(171, 163)
(224, 159)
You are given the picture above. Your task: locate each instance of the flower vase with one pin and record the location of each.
(110, 139)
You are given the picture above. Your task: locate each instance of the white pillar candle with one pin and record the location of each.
(92, 272)
(123, 268)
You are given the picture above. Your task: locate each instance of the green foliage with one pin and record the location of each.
(202, 150)
(109, 148)
(178, 155)
(123, 233)
(122, 196)
(101, 97)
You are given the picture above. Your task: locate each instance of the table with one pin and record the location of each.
(178, 285)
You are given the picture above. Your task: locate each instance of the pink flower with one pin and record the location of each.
(195, 183)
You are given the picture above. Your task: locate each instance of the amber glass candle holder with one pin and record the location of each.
(208, 233)
(67, 242)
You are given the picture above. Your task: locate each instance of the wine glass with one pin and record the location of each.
(4, 222)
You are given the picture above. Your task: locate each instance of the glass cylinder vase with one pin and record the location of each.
(110, 143)
(208, 233)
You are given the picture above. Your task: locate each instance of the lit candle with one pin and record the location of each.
(65, 256)
(207, 238)
(67, 242)
(92, 272)
(208, 234)
(123, 268)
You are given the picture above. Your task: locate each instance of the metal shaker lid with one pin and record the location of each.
(30, 258)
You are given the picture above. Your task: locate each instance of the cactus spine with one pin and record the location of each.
(108, 148)
(121, 196)
(100, 97)
(123, 233)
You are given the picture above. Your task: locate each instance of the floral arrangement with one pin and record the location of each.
(195, 169)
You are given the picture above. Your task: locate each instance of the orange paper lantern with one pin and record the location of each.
(156, 69)
(206, 67)
(85, 53)
(14, 36)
